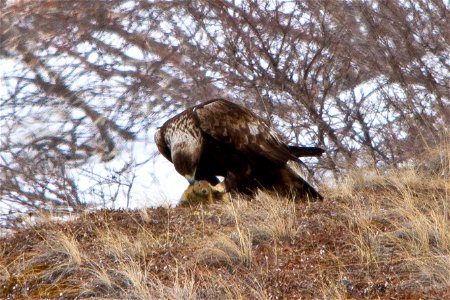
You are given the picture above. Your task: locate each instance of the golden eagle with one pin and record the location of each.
(221, 138)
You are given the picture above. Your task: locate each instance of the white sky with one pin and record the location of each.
(157, 182)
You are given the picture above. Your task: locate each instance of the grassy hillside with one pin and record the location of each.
(374, 236)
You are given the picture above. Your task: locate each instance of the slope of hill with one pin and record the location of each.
(374, 236)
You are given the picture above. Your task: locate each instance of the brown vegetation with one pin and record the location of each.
(374, 236)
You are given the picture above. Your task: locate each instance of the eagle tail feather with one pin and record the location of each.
(299, 151)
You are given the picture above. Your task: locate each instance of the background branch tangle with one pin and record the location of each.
(367, 80)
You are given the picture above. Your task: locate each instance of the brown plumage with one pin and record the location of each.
(221, 138)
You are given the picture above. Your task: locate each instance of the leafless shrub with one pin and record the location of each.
(366, 80)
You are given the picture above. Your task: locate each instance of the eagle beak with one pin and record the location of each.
(190, 178)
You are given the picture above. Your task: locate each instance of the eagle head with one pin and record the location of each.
(186, 152)
(185, 163)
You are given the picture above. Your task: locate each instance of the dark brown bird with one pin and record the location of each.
(221, 138)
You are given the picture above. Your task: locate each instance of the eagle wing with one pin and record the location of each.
(235, 125)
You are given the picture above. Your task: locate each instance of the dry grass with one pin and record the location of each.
(375, 236)
(405, 223)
